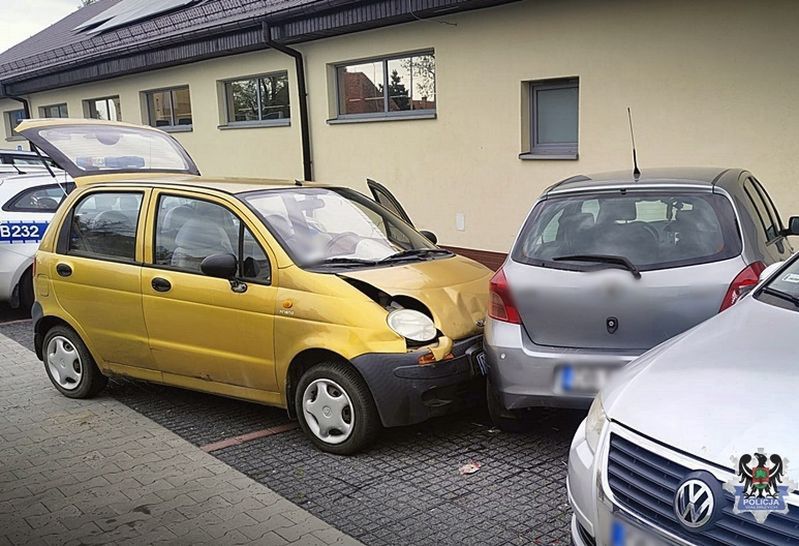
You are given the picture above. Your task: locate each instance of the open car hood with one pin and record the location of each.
(84, 147)
(455, 290)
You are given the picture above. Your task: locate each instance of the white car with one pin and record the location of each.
(29, 195)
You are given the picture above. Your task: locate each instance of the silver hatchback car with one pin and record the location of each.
(608, 266)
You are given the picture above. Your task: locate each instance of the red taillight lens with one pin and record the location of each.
(500, 306)
(742, 283)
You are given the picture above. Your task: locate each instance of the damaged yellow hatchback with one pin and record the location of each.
(305, 296)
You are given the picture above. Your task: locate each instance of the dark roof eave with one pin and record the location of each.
(291, 26)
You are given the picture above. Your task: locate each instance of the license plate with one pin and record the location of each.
(22, 232)
(582, 379)
(624, 534)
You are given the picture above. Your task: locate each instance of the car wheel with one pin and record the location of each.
(335, 408)
(69, 365)
(504, 419)
(26, 291)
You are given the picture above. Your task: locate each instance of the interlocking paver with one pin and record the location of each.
(97, 472)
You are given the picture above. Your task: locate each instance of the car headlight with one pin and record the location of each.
(412, 325)
(594, 423)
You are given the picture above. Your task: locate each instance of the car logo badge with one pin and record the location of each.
(759, 486)
(695, 501)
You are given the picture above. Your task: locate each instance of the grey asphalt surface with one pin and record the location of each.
(406, 489)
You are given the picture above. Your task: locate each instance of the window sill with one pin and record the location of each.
(176, 128)
(528, 156)
(15, 138)
(373, 119)
(255, 124)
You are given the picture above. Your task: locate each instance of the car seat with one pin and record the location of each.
(196, 240)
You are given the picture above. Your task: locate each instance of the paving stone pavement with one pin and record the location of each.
(96, 471)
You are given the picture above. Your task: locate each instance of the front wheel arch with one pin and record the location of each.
(301, 363)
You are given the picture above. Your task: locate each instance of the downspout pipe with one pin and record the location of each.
(299, 66)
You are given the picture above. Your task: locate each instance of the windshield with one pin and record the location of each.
(317, 225)
(647, 230)
(95, 148)
(783, 288)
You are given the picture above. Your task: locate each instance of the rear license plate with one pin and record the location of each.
(582, 379)
(625, 534)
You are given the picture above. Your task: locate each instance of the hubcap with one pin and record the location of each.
(328, 411)
(64, 363)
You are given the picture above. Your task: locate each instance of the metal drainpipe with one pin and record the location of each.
(299, 66)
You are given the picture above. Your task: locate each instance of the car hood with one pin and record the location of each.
(727, 387)
(455, 290)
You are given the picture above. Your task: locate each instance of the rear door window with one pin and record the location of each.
(103, 225)
(653, 230)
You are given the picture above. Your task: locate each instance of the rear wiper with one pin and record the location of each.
(416, 252)
(782, 295)
(602, 259)
(340, 260)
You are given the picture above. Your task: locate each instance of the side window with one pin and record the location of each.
(254, 262)
(189, 230)
(772, 210)
(103, 225)
(766, 220)
(40, 199)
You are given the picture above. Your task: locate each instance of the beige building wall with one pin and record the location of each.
(709, 83)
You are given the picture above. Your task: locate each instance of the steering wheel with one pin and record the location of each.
(339, 238)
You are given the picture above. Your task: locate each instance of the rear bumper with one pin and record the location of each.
(524, 374)
(406, 393)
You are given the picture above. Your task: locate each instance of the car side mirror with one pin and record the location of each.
(222, 266)
(793, 226)
(766, 273)
(430, 236)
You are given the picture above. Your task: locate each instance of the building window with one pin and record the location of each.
(13, 117)
(54, 111)
(262, 100)
(107, 108)
(554, 106)
(169, 108)
(387, 87)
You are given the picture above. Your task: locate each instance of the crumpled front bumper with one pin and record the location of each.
(406, 392)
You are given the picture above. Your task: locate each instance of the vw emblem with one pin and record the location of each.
(694, 503)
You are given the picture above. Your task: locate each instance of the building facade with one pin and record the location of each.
(467, 114)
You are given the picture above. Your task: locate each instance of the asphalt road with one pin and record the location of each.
(405, 490)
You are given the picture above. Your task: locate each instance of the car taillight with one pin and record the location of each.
(742, 283)
(501, 305)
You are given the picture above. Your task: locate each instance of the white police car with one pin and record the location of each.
(29, 195)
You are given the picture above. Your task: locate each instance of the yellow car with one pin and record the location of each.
(299, 295)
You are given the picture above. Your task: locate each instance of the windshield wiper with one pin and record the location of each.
(602, 259)
(340, 261)
(782, 295)
(416, 253)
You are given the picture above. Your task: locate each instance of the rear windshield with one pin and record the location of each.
(652, 230)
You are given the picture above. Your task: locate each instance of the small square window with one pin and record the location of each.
(169, 108)
(54, 111)
(554, 122)
(387, 87)
(107, 108)
(258, 100)
(13, 118)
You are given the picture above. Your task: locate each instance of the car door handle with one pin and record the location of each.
(161, 285)
(63, 270)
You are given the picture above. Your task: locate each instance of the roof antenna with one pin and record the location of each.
(636, 170)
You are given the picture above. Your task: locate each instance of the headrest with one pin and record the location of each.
(615, 210)
(202, 236)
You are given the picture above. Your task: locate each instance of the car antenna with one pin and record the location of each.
(636, 170)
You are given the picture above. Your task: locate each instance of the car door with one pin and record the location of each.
(205, 330)
(769, 228)
(384, 197)
(97, 271)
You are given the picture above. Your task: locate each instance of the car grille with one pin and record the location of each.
(645, 484)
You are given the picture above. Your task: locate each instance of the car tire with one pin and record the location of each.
(26, 296)
(335, 408)
(69, 365)
(504, 419)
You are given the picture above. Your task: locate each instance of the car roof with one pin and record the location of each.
(223, 184)
(664, 177)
